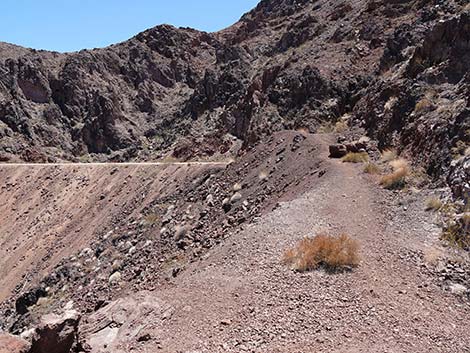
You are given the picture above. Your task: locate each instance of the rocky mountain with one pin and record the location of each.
(396, 71)
(286, 64)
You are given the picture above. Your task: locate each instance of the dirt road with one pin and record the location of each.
(110, 164)
(240, 298)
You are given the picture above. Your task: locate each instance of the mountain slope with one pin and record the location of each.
(286, 64)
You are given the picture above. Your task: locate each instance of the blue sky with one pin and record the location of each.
(69, 25)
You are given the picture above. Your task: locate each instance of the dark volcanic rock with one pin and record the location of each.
(400, 68)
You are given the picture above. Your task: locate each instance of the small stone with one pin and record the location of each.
(115, 278)
(236, 197)
(458, 289)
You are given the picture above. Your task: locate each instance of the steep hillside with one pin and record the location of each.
(255, 107)
(286, 64)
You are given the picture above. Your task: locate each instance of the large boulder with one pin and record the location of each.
(338, 151)
(13, 344)
(56, 333)
(118, 327)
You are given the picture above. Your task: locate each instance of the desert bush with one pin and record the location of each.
(326, 128)
(388, 155)
(341, 126)
(424, 105)
(330, 252)
(400, 163)
(457, 227)
(151, 219)
(371, 168)
(433, 204)
(352, 157)
(397, 178)
(455, 236)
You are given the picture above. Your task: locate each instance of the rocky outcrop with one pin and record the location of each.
(13, 344)
(56, 333)
(117, 328)
(286, 64)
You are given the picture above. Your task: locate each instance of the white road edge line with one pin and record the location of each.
(124, 164)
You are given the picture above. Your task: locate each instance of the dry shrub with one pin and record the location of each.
(151, 219)
(372, 168)
(396, 179)
(424, 105)
(341, 126)
(326, 128)
(389, 155)
(332, 253)
(399, 163)
(431, 256)
(433, 204)
(390, 103)
(352, 157)
(304, 131)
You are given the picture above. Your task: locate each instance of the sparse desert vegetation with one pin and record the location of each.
(424, 105)
(341, 126)
(151, 219)
(388, 155)
(433, 204)
(359, 157)
(397, 178)
(331, 252)
(372, 168)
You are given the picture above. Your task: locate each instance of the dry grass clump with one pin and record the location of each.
(389, 155)
(433, 204)
(431, 256)
(424, 105)
(390, 103)
(332, 253)
(326, 128)
(352, 157)
(341, 126)
(456, 236)
(397, 178)
(371, 168)
(151, 219)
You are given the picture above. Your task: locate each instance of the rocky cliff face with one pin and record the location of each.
(398, 68)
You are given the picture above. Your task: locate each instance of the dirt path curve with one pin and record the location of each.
(241, 298)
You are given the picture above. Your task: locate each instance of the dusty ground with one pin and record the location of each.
(241, 298)
(51, 211)
(238, 296)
